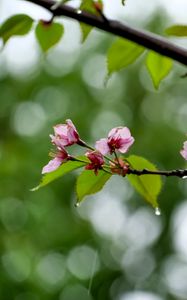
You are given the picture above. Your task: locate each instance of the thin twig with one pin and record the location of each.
(143, 38)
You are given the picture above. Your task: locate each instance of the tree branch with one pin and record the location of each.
(143, 38)
(178, 173)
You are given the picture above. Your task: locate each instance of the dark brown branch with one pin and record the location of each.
(178, 173)
(143, 38)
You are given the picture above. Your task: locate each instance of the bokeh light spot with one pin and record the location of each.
(28, 119)
(53, 101)
(83, 262)
(17, 264)
(139, 295)
(13, 214)
(51, 270)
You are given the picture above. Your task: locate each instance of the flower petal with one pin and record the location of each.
(95, 157)
(60, 130)
(58, 141)
(102, 146)
(183, 152)
(72, 133)
(65, 134)
(122, 132)
(126, 145)
(52, 165)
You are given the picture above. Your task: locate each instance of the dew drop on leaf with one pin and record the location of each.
(157, 211)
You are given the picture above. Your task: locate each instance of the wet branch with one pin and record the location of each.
(143, 38)
(177, 173)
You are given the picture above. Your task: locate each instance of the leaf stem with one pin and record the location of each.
(77, 159)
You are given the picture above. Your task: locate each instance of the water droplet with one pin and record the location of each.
(184, 177)
(79, 11)
(77, 204)
(157, 211)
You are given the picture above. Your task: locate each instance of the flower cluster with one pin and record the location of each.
(64, 135)
(119, 140)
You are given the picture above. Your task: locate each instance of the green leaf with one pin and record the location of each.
(121, 54)
(123, 2)
(86, 5)
(88, 183)
(177, 30)
(158, 66)
(48, 34)
(61, 171)
(85, 30)
(15, 25)
(149, 186)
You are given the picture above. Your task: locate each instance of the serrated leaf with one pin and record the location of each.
(88, 183)
(48, 34)
(177, 30)
(149, 186)
(121, 54)
(61, 171)
(17, 25)
(158, 66)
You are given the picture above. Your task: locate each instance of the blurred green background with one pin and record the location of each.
(113, 246)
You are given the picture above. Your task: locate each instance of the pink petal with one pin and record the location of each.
(185, 146)
(117, 132)
(112, 132)
(52, 165)
(70, 124)
(59, 142)
(125, 133)
(72, 136)
(72, 133)
(102, 146)
(67, 134)
(126, 145)
(183, 152)
(61, 130)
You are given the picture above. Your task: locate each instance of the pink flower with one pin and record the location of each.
(183, 152)
(119, 167)
(119, 138)
(96, 159)
(60, 157)
(65, 135)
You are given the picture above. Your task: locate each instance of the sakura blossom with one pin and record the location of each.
(121, 168)
(59, 158)
(65, 134)
(96, 159)
(183, 152)
(119, 138)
